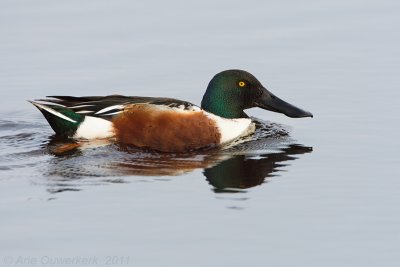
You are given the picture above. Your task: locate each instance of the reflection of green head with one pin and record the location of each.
(241, 172)
(236, 173)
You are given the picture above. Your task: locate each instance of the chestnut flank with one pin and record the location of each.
(163, 129)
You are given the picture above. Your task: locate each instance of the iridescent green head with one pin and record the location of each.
(232, 91)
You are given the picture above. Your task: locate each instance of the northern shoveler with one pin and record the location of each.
(167, 124)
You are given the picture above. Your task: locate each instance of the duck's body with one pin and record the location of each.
(164, 124)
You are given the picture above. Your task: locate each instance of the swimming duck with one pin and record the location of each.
(167, 124)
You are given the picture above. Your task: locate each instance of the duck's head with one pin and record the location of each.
(232, 91)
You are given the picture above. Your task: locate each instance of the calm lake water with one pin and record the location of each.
(305, 192)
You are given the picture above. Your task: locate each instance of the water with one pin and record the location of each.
(321, 191)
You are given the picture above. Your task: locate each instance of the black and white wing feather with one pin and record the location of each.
(108, 106)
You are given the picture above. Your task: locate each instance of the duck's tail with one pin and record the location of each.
(64, 121)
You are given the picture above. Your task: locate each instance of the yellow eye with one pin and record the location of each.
(241, 84)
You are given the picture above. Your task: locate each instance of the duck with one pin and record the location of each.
(167, 124)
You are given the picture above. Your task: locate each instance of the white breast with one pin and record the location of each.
(232, 129)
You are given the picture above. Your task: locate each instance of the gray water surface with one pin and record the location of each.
(303, 192)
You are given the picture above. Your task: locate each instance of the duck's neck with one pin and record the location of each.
(222, 104)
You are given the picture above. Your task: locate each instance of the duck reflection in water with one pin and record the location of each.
(226, 171)
(242, 171)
